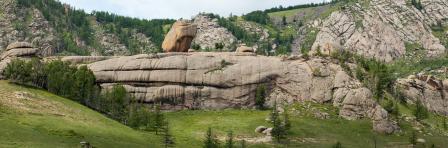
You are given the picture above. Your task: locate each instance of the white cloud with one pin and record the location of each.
(151, 9)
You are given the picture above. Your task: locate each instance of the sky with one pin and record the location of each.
(175, 9)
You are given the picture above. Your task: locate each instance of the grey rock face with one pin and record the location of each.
(432, 92)
(227, 80)
(210, 33)
(381, 29)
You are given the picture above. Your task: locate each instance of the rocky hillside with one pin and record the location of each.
(58, 29)
(382, 29)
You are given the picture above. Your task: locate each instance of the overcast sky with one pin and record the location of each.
(175, 9)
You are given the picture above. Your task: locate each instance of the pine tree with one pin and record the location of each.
(229, 140)
(243, 143)
(158, 119)
(420, 111)
(287, 123)
(168, 139)
(278, 131)
(444, 124)
(210, 140)
(260, 97)
(413, 138)
(284, 21)
(337, 145)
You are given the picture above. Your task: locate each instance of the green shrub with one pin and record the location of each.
(260, 96)
(420, 112)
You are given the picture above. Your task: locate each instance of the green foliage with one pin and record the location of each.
(260, 17)
(229, 141)
(210, 140)
(260, 96)
(18, 71)
(196, 46)
(420, 112)
(278, 129)
(337, 145)
(115, 102)
(281, 8)
(159, 118)
(140, 117)
(444, 124)
(243, 143)
(308, 41)
(237, 31)
(284, 23)
(168, 139)
(417, 4)
(413, 138)
(219, 46)
(392, 108)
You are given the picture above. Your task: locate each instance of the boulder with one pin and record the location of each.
(244, 49)
(268, 132)
(260, 129)
(179, 37)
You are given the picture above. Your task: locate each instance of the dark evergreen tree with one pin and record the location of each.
(420, 112)
(158, 118)
(229, 140)
(413, 138)
(168, 139)
(210, 140)
(260, 96)
(278, 130)
(337, 145)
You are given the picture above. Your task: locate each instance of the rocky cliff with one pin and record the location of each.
(210, 33)
(229, 80)
(381, 28)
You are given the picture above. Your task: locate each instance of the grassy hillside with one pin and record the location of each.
(189, 128)
(35, 118)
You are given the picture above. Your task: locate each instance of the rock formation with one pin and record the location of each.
(179, 37)
(210, 33)
(23, 50)
(432, 92)
(380, 29)
(244, 49)
(229, 80)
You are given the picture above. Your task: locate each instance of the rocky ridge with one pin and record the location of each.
(380, 29)
(210, 33)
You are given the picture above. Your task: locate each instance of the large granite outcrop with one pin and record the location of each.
(431, 91)
(180, 36)
(380, 28)
(229, 80)
(22, 50)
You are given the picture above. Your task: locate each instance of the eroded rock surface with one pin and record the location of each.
(22, 50)
(432, 92)
(210, 33)
(229, 80)
(380, 28)
(179, 37)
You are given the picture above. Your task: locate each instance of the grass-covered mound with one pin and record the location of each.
(35, 118)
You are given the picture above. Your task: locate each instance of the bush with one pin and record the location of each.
(420, 112)
(260, 97)
(258, 17)
(18, 71)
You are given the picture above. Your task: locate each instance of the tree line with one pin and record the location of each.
(71, 24)
(78, 84)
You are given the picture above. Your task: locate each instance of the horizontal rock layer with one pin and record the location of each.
(223, 80)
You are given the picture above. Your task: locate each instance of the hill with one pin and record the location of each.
(35, 118)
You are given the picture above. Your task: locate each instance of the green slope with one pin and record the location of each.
(35, 118)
